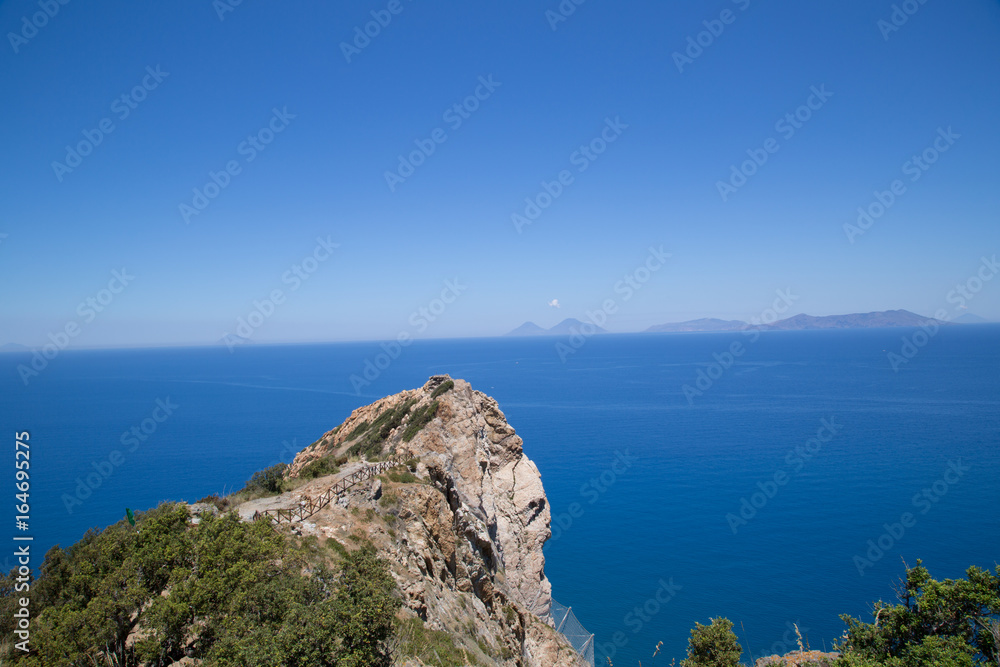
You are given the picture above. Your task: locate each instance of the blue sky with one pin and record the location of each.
(552, 91)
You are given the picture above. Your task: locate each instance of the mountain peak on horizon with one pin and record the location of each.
(527, 329)
(878, 318)
(567, 327)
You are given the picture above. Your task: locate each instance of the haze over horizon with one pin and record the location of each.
(184, 167)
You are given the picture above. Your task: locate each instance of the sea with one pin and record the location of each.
(778, 480)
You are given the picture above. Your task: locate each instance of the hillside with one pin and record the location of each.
(415, 539)
(464, 532)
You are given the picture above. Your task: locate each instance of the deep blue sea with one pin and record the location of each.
(640, 479)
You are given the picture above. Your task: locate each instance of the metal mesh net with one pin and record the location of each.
(565, 621)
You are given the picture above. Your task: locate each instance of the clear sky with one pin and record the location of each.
(331, 112)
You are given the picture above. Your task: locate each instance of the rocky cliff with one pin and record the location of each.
(464, 531)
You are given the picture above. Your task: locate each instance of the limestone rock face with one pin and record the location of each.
(464, 533)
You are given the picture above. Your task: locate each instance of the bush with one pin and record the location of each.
(947, 623)
(442, 388)
(421, 417)
(432, 647)
(380, 429)
(220, 503)
(334, 545)
(713, 645)
(388, 499)
(175, 587)
(268, 481)
(358, 430)
(320, 468)
(402, 476)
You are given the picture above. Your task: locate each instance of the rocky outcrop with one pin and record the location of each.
(799, 659)
(463, 531)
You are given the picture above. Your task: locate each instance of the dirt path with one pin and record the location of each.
(291, 499)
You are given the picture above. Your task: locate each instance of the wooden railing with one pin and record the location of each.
(307, 509)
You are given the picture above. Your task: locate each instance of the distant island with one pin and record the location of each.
(571, 326)
(883, 318)
(969, 318)
(703, 324)
(565, 328)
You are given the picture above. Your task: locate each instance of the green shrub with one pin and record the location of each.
(388, 499)
(950, 623)
(510, 614)
(358, 430)
(268, 481)
(173, 585)
(713, 645)
(421, 417)
(402, 476)
(221, 504)
(320, 468)
(432, 647)
(380, 429)
(334, 545)
(442, 388)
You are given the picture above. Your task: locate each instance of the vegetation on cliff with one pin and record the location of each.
(950, 623)
(221, 591)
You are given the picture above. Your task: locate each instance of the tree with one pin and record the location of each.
(224, 591)
(951, 623)
(713, 645)
(267, 481)
(365, 606)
